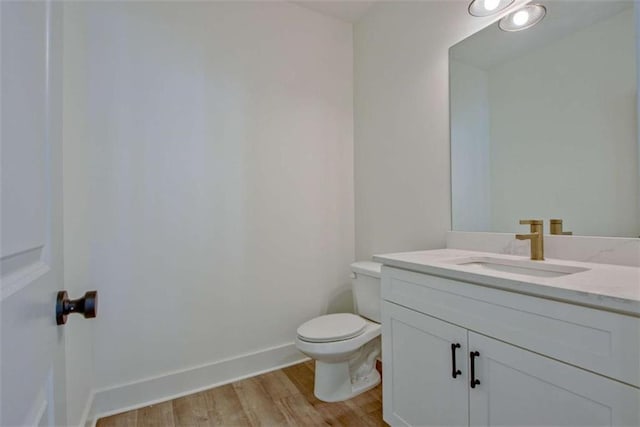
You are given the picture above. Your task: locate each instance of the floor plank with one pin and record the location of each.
(278, 385)
(257, 404)
(280, 398)
(364, 403)
(224, 407)
(299, 412)
(127, 419)
(334, 414)
(156, 415)
(302, 376)
(191, 411)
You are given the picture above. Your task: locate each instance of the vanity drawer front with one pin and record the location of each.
(600, 341)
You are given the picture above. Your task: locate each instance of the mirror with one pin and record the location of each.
(544, 123)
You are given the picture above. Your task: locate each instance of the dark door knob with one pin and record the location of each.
(87, 306)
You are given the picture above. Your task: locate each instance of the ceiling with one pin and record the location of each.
(350, 11)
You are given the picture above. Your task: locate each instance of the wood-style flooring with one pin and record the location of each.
(279, 398)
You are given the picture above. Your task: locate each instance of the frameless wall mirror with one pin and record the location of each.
(544, 122)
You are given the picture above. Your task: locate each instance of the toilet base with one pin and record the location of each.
(339, 381)
(333, 382)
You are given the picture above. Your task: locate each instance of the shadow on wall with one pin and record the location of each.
(341, 300)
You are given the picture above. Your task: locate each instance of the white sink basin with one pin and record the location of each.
(522, 267)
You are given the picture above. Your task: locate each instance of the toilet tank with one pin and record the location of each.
(366, 289)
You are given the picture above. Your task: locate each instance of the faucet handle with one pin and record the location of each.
(556, 228)
(530, 236)
(531, 221)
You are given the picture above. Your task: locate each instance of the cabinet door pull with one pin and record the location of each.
(454, 372)
(474, 381)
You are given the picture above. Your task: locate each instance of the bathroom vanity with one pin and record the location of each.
(473, 338)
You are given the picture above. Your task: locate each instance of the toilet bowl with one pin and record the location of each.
(346, 346)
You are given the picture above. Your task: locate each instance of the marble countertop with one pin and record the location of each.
(603, 286)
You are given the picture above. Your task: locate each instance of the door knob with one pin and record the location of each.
(87, 306)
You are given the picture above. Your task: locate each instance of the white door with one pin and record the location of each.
(518, 387)
(418, 385)
(32, 350)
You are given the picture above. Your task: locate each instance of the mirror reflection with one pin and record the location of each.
(544, 123)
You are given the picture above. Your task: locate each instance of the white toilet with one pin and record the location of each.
(345, 346)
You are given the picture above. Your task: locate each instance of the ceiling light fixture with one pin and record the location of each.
(523, 18)
(488, 7)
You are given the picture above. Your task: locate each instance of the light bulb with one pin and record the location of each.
(524, 18)
(491, 4)
(486, 7)
(521, 17)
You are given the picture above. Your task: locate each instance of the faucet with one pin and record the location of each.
(536, 237)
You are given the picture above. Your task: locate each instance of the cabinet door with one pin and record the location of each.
(418, 385)
(518, 387)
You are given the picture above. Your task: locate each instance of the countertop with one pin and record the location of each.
(603, 286)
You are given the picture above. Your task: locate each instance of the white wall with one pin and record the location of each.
(470, 146)
(402, 181)
(209, 177)
(580, 155)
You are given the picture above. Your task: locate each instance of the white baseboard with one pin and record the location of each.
(85, 420)
(176, 384)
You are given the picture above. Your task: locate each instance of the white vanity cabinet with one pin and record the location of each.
(528, 374)
(418, 385)
(519, 387)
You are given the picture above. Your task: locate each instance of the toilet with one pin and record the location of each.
(345, 346)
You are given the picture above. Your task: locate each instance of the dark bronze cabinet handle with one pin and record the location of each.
(87, 306)
(454, 372)
(474, 381)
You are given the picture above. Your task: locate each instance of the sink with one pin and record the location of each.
(522, 267)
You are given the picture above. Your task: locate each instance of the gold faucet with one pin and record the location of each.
(536, 236)
(556, 228)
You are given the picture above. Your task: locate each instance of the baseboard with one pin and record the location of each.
(85, 420)
(171, 385)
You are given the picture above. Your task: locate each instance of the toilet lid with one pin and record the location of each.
(332, 327)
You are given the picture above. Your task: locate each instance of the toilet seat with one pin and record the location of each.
(332, 327)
